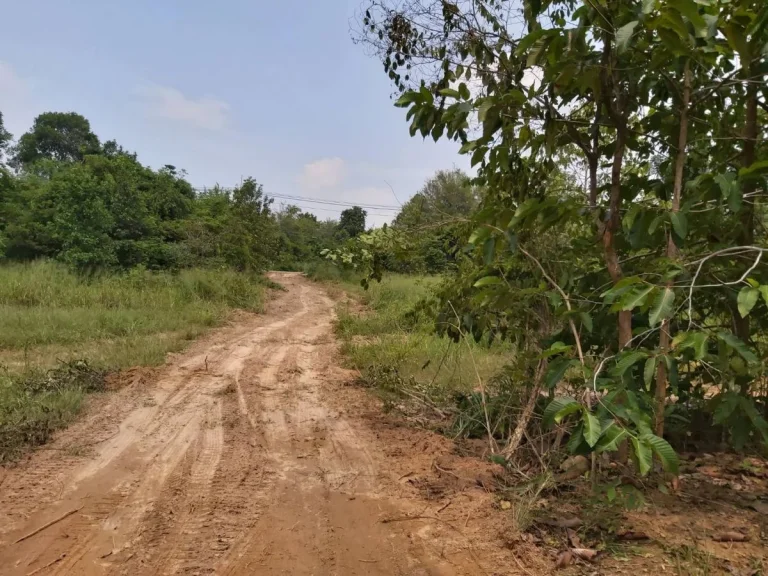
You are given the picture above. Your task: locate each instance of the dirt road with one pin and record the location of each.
(238, 457)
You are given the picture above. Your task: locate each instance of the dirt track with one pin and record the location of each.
(238, 457)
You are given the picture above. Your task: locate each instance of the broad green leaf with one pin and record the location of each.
(482, 111)
(623, 36)
(408, 98)
(689, 9)
(725, 182)
(662, 306)
(756, 170)
(554, 407)
(557, 370)
(635, 298)
(567, 411)
(592, 428)
(489, 250)
(612, 436)
(642, 455)
(464, 91)
(747, 299)
(649, 371)
(679, 224)
(586, 319)
(662, 449)
(450, 92)
(648, 6)
(764, 291)
(479, 235)
(726, 404)
(626, 361)
(487, 281)
(738, 346)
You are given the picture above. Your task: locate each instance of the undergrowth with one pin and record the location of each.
(388, 334)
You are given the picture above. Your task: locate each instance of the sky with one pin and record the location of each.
(225, 90)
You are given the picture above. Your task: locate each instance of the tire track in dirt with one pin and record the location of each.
(234, 462)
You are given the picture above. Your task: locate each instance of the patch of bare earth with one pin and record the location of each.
(251, 454)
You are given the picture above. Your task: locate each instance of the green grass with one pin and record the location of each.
(393, 344)
(49, 317)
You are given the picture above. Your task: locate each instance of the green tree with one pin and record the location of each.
(645, 260)
(59, 136)
(352, 221)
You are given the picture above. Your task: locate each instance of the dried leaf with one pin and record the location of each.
(564, 559)
(573, 539)
(585, 553)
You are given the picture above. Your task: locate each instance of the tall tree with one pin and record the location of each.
(352, 221)
(59, 136)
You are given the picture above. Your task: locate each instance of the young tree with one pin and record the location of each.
(663, 103)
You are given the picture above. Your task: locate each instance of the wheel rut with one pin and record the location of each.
(235, 460)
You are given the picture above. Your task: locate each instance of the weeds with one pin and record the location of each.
(52, 318)
(37, 402)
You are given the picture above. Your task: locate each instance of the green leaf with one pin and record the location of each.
(555, 407)
(747, 299)
(557, 370)
(406, 99)
(586, 320)
(662, 306)
(611, 437)
(648, 6)
(592, 428)
(764, 291)
(649, 371)
(489, 250)
(635, 298)
(738, 346)
(626, 361)
(623, 36)
(642, 455)
(695, 340)
(479, 235)
(725, 182)
(756, 170)
(487, 281)
(482, 111)
(450, 92)
(663, 450)
(464, 91)
(689, 9)
(679, 224)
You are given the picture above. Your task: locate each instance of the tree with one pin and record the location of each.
(673, 203)
(59, 136)
(352, 221)
(5, 138)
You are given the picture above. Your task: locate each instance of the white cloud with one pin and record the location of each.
(166, 102)
(322, 174)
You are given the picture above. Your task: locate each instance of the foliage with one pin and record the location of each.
(621, 149)
(96, 207)
(352, 221)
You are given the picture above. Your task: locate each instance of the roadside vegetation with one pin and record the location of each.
(106, 263)
(62, 334)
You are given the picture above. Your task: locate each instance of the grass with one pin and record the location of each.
(392, 342)
(50, 317)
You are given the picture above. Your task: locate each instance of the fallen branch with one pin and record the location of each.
(48, 525)
(51, 563)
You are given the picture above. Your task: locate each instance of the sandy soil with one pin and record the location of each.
(247, 454)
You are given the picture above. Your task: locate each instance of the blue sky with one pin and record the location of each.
(274, 90)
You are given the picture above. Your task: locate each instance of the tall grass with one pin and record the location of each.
(392, 341)
(49, 317)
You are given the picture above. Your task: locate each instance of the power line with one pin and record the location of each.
(320, 201)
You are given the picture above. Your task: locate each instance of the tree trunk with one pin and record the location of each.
(612, 225)
(747, 235)
(522, 422)
(672, 252)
